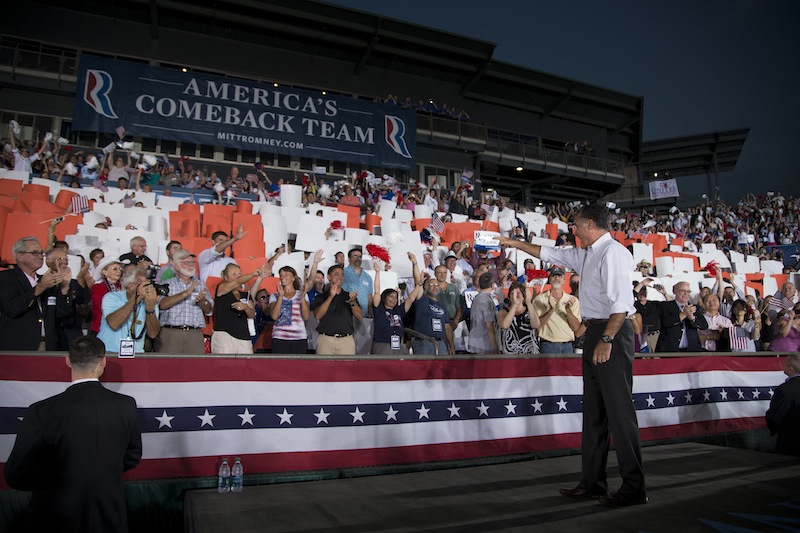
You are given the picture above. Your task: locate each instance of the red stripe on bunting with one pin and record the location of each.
(159, 370)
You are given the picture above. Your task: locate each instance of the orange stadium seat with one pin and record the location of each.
(244, 206)
(189, 207)
(249, 247)
(64, 198)
(552, 231)
(371, 222)
(195, 244)
(250, 223)
(250, 264)
(39, 191)
(419, 224)
(19, 225)
(10, 187)
(353, 215)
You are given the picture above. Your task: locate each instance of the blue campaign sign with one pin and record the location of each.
(212, 110)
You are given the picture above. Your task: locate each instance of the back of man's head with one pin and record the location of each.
(485, 281)
(85, 352)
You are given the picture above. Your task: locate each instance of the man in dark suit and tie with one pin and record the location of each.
(71, 450)
(680, 322)
(783, 415)
(24, 298)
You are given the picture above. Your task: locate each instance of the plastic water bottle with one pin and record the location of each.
(224, 480)
(237, 476)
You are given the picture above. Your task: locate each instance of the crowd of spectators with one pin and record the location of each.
(542, 321)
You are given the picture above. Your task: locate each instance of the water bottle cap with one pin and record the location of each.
(224, 459)
(238, 459)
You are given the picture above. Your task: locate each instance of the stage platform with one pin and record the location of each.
(692, 487)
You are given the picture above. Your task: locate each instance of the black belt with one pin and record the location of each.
(184, 328)
(336, 335)
(594, 321)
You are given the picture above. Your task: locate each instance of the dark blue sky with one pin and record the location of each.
(701, 66)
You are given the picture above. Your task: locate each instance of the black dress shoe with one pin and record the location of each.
(582, 492)
(622, 500)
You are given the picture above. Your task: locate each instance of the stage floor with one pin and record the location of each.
(692, 487)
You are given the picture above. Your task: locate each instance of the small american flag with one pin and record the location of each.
(780, 300)
(738, 343)
(127, 201)
(437, 224)
(80, 204)
(466, 176)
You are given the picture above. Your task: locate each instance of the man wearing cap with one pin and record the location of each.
(607, 301)
(212, 261)
(183, 311)
(559, 316)
(644, 268)
(138, 248)
(356, 280)
(455, 274)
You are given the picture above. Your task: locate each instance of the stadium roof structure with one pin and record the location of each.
(693, 155)
(370, 44)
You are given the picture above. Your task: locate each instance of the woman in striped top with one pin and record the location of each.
(289, 309)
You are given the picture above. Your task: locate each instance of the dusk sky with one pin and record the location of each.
(700, 66)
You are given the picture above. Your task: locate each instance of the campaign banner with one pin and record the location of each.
(212, 110)
(310, 414)
(664, 189)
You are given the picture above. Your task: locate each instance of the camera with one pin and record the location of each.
(658, 287)
(152, 272)
(162, 289)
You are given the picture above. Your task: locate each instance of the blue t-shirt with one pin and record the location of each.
(430, 317)
(111, 337)
(388, 323)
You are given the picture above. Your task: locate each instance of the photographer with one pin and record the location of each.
(184, 309)
(132, 314)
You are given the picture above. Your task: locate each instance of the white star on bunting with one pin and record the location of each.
(423, 412)
(285, 416)
(206, 419)
(357, 415)
(454, 411)
(322, 416)
(247, 417)
(562, 405)
(688, 397)
(651, 402)
(740, 393)
(723, 394)
(670, 399)
(164, 420)
(756, 393)
(511, 409)
(706, 396)
(483, 409)
(391, 414)
(537, 406)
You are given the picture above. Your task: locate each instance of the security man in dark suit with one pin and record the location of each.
(680, 322)
(71, 450)
(783, 415)
(24, 300)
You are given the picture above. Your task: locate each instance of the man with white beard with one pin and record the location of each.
(184, 310)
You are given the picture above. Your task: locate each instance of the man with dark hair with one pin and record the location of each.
(783, 415)
(335, 310)
(430, 318)
(71, 450)
(483, 319)
(168, 271)
(606, 301)
(212, 261)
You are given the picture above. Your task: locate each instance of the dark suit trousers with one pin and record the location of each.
(607, 405)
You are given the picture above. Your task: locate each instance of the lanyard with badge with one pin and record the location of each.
(127, 346)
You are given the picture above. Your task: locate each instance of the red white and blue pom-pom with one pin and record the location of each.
(379, 252)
